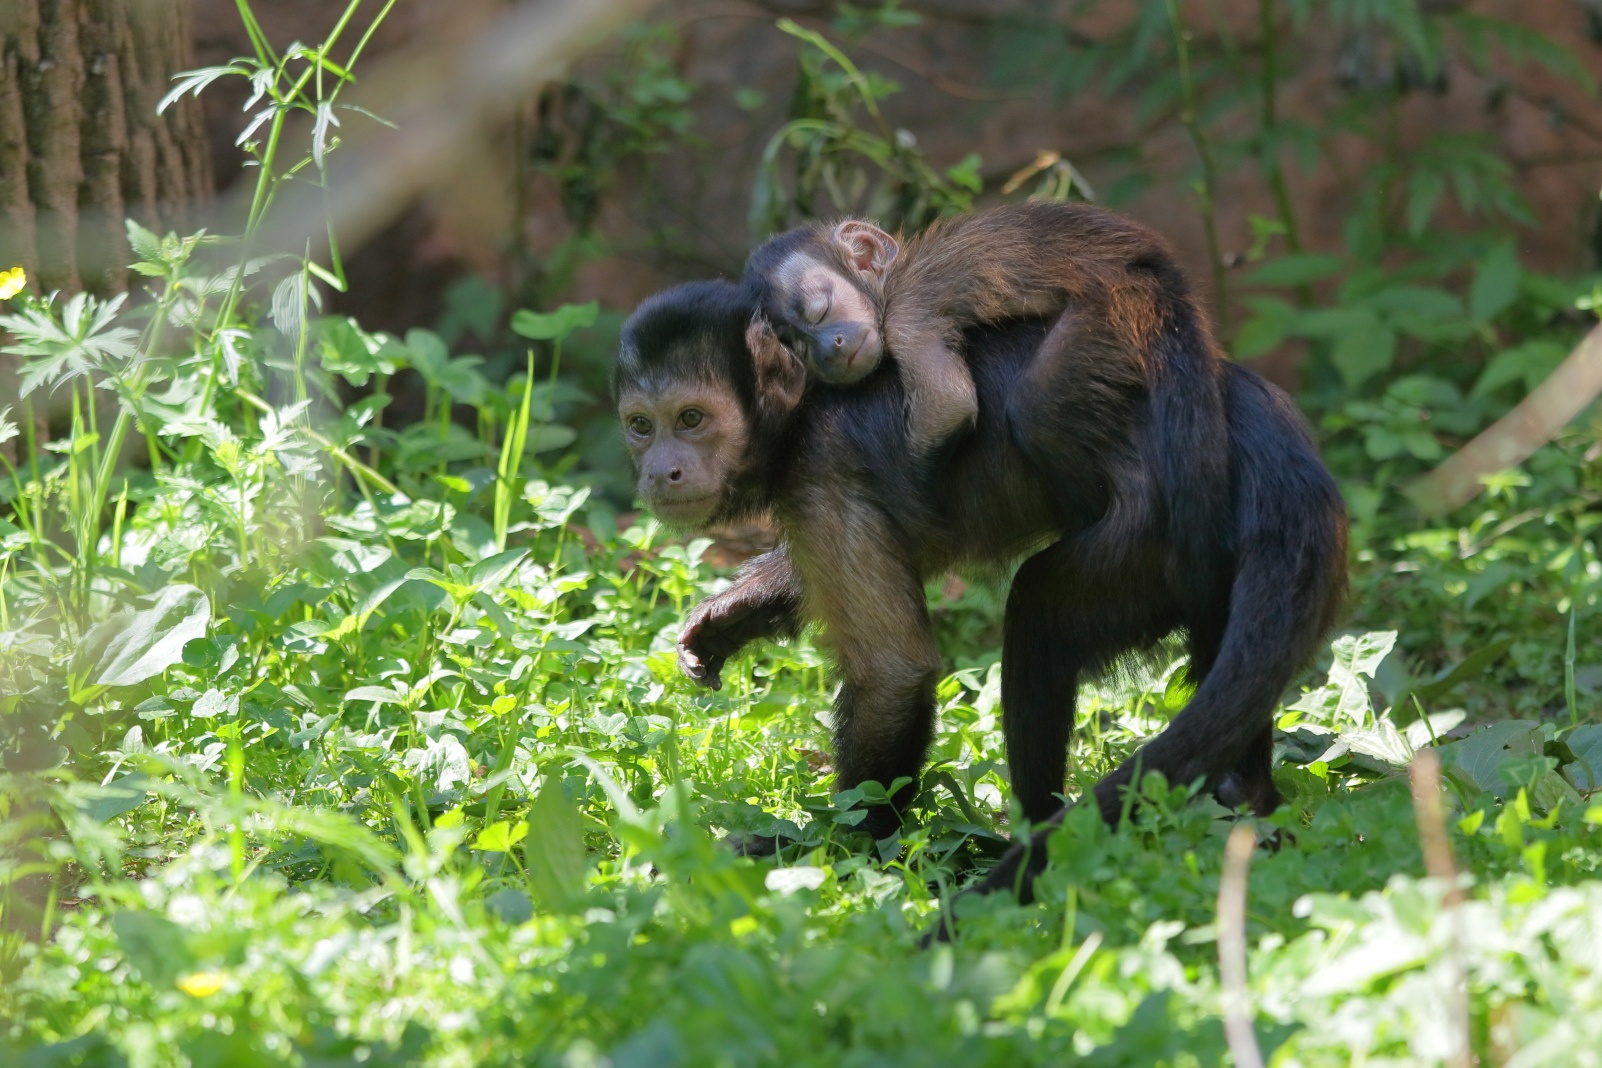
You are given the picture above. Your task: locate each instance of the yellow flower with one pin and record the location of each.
(202, 984)
(12, 282)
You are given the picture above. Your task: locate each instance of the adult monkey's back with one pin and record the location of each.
(1067, 454)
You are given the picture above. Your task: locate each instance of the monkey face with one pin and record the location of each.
(687, 440)
(827, 319)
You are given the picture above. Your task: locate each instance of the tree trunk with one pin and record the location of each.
(81, 145)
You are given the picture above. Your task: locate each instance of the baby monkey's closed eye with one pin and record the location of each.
(817, 307)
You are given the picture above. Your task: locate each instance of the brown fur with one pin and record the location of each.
(1020, 260)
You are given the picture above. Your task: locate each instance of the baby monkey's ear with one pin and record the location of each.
(866, 247)
(780, 374)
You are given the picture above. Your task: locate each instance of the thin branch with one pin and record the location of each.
(1232, 948)
(1424, 776)
(1508, 442)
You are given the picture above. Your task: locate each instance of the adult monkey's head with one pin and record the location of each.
(705, 392)
(822, 287)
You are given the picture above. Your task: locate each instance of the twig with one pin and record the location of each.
(1232, 948)
(1424, 776)
(1509, 441)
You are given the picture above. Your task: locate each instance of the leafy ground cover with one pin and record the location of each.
(408, 776)
(329, 741)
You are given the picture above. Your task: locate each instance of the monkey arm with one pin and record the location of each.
(764, 601)
(941, 398)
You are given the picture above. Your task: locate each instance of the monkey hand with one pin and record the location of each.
(720, 626)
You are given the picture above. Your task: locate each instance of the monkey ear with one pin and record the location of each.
(866, 247)
(780, 374)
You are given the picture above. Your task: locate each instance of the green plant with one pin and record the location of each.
(332, 742)
(859, 167)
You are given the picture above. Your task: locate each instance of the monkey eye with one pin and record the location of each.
(690, 418)
(640, 425)
(817, 307)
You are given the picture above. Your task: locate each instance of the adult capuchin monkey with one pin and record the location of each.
(1144, 492)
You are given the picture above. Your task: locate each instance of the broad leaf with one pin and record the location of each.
(1480, 754)
(141, 644)
(1586, 745)
(554, 849)
(555, 325)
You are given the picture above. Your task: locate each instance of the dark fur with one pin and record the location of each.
(1141, 350)
(1176, 491)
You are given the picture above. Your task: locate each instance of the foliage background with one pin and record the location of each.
(336, 688)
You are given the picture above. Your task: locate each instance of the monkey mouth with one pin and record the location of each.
(686, 511)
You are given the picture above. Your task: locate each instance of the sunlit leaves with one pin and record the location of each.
(132, 646)
(85, 338)
(554, 849)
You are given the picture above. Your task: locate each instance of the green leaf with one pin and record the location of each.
(1496, 283)
(1480, 754)
(1422, 445)
(201, 653)
(428, 353)
(1363, 352)
(153, 944)
(492, 571)
(501, 837)
(554, 849)
(381, 694)
(1528, 363)
(1266, 329)
(549, 436)
(115, 798)
(1344, 698)
(1586, 745)
(1295, 270)
(1471, 667)
(556, 325)
(1382, 444)
(145, 244)
(141, 644)
(460, 592)
(1423, 193)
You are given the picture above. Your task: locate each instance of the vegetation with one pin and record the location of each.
(335, 741)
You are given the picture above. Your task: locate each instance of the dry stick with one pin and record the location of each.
(1424, 776)
(1511, 439)
(1232, 948)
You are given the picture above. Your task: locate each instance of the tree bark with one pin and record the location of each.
(81, 145)
(82, 148)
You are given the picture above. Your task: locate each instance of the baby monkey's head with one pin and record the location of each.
(822, 288)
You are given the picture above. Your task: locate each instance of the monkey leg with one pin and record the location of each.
(1062, 620)
(942, 400)
(1251, 781)
(862, 584)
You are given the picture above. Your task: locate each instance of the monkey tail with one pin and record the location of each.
(1187, 445)
(1289, 582)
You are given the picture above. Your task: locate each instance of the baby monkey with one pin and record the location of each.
(840, 295)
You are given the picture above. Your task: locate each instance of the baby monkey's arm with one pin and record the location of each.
(941, 399)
